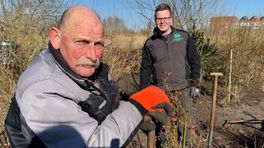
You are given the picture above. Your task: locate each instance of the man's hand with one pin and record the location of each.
(195, 92)
(162, 113)
(149, 97)
(148, 124)
(195, 89)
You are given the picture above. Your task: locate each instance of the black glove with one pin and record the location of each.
(195, 89)
(148, 126)
(162, 116)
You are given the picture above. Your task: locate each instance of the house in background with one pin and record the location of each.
(244, 22)
(262, 21)
(232, 22)
(254, 22)
(224, 22)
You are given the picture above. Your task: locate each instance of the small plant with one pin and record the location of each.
(180, 116)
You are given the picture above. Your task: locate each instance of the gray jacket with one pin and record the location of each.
(169, 62)
(48, 101)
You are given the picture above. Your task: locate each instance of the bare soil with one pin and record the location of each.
(249, 107)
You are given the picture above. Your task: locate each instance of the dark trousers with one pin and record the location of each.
(187, 104)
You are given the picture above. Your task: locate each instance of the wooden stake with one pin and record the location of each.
(151, 141)
(230, 77)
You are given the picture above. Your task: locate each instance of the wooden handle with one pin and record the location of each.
(211, 130)
(216, 74)
(151, 139)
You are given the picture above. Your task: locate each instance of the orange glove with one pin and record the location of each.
(150, 97)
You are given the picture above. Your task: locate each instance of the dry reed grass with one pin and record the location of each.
(26, 23)
(123, 52)
(248, 55)
(133, 40)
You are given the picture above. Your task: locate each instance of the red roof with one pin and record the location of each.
(223, 21)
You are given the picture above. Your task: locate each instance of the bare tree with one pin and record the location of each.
(114, 23)
(186, 13)
(26, 22)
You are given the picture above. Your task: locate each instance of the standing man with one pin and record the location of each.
(170, 60)
(65, 97)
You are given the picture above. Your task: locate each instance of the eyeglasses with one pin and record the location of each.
(159, 19)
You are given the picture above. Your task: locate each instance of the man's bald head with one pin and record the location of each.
(78, 12)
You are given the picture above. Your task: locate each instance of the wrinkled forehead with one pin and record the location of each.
(82, 18)
(84, 23)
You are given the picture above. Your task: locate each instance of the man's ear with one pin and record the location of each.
(54, 37)
(172, 20)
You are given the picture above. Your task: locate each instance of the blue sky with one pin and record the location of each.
(245, 7)
(127, 9)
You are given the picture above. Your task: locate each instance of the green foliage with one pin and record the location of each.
(212, 58)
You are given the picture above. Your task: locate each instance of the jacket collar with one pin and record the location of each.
(157, 32)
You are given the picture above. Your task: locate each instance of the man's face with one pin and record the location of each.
(163, 21)
(82, 45)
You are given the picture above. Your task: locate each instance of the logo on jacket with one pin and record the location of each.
(177, 37)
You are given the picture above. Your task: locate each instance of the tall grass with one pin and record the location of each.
(25, 23)
(248, 56)
(123, 52)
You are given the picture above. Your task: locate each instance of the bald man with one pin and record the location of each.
(65, 97)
